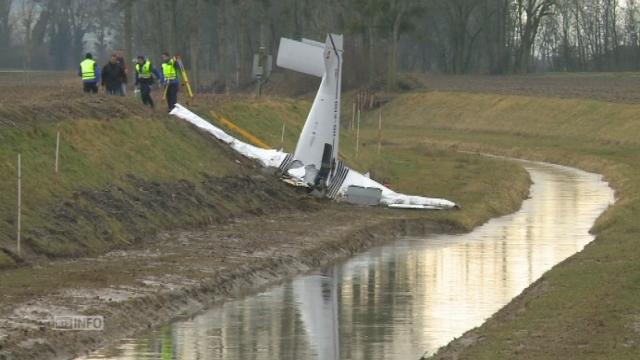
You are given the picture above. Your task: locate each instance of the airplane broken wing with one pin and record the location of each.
(344, 182)
(266, 157)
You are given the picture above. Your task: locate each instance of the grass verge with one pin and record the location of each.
(587, 307)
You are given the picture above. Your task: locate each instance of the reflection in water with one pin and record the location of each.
(397, 301)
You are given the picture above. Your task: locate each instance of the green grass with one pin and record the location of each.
(588, 306)
(265, 118)
(122, 179)
(95, 157)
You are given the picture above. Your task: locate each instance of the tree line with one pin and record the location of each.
(219, 37)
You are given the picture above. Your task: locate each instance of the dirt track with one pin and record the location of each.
(181, 274)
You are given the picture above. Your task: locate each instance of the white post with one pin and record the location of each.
(57, 150)
(19, 202)
(353, 117)
(358, 134)
(282, 137)
(380, 131)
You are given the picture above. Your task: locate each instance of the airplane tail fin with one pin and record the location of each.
(306, 57)
(318, 144)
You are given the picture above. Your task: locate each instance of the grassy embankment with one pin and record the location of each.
(587, 307)
(124, 175)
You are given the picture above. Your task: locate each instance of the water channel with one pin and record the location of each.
(396, 301)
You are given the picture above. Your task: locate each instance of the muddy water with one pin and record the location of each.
(396, 301)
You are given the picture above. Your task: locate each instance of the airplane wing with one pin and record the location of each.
(266, 157)
(341, 184)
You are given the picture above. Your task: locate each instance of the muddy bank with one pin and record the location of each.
(140, 207)
(186, 272)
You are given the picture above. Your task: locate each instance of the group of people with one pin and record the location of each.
(113, 77)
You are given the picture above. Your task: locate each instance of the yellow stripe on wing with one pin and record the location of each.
(244, 133)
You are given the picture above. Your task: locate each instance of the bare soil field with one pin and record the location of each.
(610, 87)
(22, 87)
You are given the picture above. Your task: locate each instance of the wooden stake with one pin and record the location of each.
(380, 131)
(358, 134)
(57, 150)
(353, 118)
(282, 137)
(19, 203)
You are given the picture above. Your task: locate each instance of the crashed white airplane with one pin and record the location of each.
(315, 163)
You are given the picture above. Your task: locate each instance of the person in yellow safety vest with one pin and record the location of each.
(144, 79)
(90, 74)
(170, 79)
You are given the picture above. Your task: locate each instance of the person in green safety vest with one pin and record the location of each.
(145, 72)
(170, 79)
(90, 74)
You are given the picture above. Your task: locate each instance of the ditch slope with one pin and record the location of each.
(149, 219)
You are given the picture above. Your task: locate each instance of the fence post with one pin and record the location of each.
(282, 137)
(57, 150)
(358, 135)
(380, 131)
(19, 203)
(353, 117)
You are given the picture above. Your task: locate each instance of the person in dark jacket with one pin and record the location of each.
(113, 76)
(123, 64)
(145, 72)
(90, 74)
(170, 79)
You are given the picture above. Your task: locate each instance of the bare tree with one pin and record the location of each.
(28, 14)
(80, 16)
(461, 33)
(530, 14)
(383, 37)
(5, 25)
(399, 11)
(102, 14)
